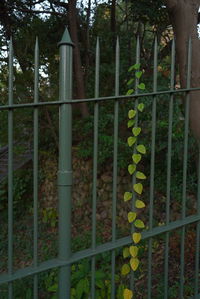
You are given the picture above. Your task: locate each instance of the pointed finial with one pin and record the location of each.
(66, 39)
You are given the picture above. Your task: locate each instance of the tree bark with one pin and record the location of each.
(80, 88)
(184, 16)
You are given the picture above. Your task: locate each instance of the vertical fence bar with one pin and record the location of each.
(65, 163)
(196, 280)
(35, 170)
(185, 160)
(10, 170)
(169, 154)
(152, 172)
(137, 61)
(115, 154)
(95, 161)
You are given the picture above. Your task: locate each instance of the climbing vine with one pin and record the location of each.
(131, 252)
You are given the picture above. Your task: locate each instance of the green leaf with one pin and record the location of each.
(138, 188)
(131, 113)
(127, 196)
(140, 107)
(136, 237)
(131, 168)
(139, 204)
(82, 287)
(130, 91)
(131, 216)
(138, 74)
(133, 251)
(140, 175)
(139, 223)
(131, 140)
(126, 252)
(136, 131)
(130, 81)
(134, 263)
(141, 149)
(131, 122)
(125, 269)
(134, 67)
(136, 158)
(141, 86)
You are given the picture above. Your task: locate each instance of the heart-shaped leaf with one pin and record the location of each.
(131, 113)
(136, 158)
(133, 251)
(131, 216)
(140, 175)
(138, 188)
(125, 269)
(141, 86)
(141, 149)
(130, 81)
(134, 67)
(128, 294)
(136, 131)
(131, 122)
(131, 168)
(139, 204)
(126, 252)
(140, 107)
(134, 263)
(138, 74)
(130, 91)
(139, 223)
(131, 140)
(127, 196)
(136, 237)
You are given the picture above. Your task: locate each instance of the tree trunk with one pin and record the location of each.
(184, 16)
(113, 23)
(80, 88)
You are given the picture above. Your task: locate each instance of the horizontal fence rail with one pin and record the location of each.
(66, 258)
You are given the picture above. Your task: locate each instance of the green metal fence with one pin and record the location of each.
(65, 256)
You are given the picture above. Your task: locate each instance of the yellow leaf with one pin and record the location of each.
(134, 262)
(139, 204)
(141, 149)
(127, 196)
(139, 223)
(131, 168)
(136, 158)
(126, 252)
(140, 175)
(128, 294)
(131, 113)
(133, 251)
(125, 269)
(136, 131)
(131, 216)
(138, 188)
(136, 237)
(131, 140)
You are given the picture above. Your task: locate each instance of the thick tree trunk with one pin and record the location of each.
(184, 15)
(113, 23)
(80, 88)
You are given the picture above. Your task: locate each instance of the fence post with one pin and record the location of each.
(65, 162)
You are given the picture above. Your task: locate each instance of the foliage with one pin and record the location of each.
(81, 280)
(138, 151)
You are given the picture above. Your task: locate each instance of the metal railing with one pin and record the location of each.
(66, 257)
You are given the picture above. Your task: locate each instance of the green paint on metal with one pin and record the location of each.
(66, 257)
(65, 164)
(66, 39)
